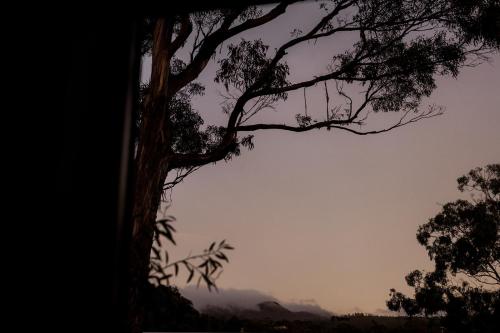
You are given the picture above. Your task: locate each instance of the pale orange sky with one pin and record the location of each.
(332, 216)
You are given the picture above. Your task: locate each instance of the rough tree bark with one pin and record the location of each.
(151, 169)
(152, 164)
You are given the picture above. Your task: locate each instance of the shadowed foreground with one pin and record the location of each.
(169, 311)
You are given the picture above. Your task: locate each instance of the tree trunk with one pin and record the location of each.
(151, 168)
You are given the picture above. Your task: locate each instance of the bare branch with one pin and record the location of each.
(494, 272)
(337, 124)
(342, 93)
(181, 175)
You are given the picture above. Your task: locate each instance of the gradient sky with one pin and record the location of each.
(332, 216)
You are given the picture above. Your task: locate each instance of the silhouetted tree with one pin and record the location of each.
(167, 310)
(206, 266)
(398, 48)
(463, 240)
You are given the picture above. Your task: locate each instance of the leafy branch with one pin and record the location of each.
(206, 266)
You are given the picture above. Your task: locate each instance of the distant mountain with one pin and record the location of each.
(269, 310)
(247, 299)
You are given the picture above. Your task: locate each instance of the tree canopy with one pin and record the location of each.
(463, 240)
(398, 48)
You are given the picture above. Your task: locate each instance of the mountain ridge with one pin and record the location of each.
(267, 310)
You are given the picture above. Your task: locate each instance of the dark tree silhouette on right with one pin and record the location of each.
(463, 240)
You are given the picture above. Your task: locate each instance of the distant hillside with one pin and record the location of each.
(247, 299)
(168, 311)
(269, 310)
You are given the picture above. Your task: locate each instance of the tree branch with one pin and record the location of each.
(312, 34)
(201, 59)
(495, 272)
(212, 41)
(363, 52)
(281, 52)
(179, 178)
(182, 36)
(336, 124)
(227, 145)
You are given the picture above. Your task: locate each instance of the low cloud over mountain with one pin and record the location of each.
(248, 299)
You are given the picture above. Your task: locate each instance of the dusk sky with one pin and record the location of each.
(327, 215)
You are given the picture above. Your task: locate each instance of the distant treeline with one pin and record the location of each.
(168, 311)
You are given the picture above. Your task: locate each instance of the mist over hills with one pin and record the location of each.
(266, 311)
(252, 304)
(233, 310)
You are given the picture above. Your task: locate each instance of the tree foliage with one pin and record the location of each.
(398, 49)
(463, 240)
(464, 236)
(168, 311)
(206, 267)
